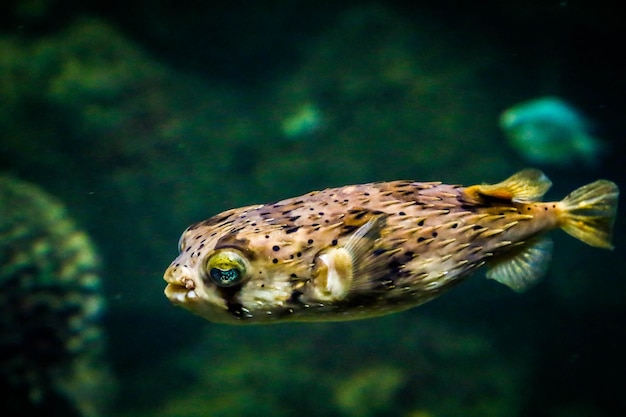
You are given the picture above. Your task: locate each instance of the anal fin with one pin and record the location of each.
(524, 266)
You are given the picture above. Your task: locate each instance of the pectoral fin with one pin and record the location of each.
(336, 267)
(334, 275)
(524, 266)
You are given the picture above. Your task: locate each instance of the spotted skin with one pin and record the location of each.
(415, 241)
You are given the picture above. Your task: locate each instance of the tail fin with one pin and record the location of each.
(588, 213)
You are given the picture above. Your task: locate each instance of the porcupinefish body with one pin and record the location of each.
(372, 249)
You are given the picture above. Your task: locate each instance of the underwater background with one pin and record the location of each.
(124, 122)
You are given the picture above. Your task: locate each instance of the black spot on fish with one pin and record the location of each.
(291, 229)
(229, 295)
(221, 218)
(275, 248)
(295, 297)
(236, 309)
(359, 214)
(231, 240)
(348, 229)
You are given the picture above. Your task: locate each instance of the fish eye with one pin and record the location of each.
(227, 267)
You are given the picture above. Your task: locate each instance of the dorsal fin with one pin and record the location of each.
(526, 185)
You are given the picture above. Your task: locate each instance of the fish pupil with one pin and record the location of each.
(225, 277)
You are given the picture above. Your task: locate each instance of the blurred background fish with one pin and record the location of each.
(549, 131)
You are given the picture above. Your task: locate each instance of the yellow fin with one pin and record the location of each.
(526, 185)
(524, 266)
(588, 213)
(337, 267)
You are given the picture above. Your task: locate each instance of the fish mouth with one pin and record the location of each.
(180, 294)
(176, 293)
(179, 289)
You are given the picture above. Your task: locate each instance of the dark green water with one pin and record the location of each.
(143, 118)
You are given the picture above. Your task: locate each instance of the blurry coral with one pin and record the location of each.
(370, 391)
(398, 365)
(51, 341)
(98, 107)
(547, 130)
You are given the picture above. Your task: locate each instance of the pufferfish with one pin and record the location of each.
(371, 249)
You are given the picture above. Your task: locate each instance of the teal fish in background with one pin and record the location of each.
(306, 120)
(372, 249)
(549, 131)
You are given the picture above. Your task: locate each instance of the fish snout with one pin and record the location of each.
(177, 274)
(180, 282)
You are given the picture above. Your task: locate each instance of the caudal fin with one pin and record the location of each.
(588, 213)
